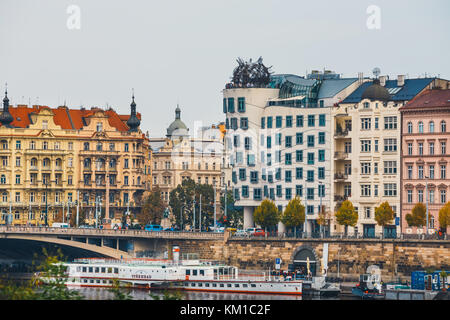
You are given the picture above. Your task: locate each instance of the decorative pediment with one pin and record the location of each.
(409, 186)
(420, 186)
(46, 133)
(442, 161)
(442, 186)
(431, 186)
(100, 135)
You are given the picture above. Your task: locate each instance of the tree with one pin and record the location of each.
(182, 203)
(294, 214)
(235, 215)
(323, 218)
(266, 214)
(384, 214)
(444, 216)
(346, 215)
(153, 209)
(417, 217)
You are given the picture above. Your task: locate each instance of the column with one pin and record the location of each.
(248, 217)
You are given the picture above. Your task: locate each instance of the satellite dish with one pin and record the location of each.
(376, 72)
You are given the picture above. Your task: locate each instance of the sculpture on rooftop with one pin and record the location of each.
(250, 74)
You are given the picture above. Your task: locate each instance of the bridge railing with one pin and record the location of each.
(109, 232)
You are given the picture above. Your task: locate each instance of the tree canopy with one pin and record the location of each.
(417, 217)
(153, 209)
(384, 215)
(294, 214)
(444, 216)
(266, 214)
(346, 215)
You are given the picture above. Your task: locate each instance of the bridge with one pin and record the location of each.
(110, 243)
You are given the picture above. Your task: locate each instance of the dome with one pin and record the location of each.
(133, 121)
(5, 117)
(177, 127)
(376, 92)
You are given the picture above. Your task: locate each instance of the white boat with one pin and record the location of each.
(194, 275)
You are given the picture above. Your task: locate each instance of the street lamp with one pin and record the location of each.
(46, 183)
(426, 200)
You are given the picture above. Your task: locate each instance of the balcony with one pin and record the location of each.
(341, 155)
(339, 176)
(341, 134)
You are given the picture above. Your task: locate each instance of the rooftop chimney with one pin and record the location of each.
(383, 80)
(400, 80)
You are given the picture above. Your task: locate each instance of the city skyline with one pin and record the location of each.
(165, 52)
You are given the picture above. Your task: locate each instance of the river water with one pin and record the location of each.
(141, 294)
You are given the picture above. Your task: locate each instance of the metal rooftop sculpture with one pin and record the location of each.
(250, 74)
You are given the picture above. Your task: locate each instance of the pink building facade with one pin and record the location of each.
(425, 156)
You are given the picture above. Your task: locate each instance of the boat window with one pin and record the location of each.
(91, 269)
(192, 284)
(97, 270)
(92, 281)
(194, 272)
(221, 285)
(188, 272)
(116, 270)
(186, 284)
(207, 285)
(229, 285)
(202, 272)
(84, 269)
(245, 285)
(253, 285)
(109, 270)
(214, 285)
(98, 281)
(200, 284)
(236, 285)
(103, 270)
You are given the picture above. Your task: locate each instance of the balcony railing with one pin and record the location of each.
(340, 176)
(341, 155)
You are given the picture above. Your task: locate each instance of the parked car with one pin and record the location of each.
(153, 227)
(172, 229)
(60, 225)
(257, 232)
(135, 227)
(241, 233)
(232, 230)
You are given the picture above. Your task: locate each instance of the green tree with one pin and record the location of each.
(444, 216)
(266, 214)
(153, 209)
(182, 203)
(119, 291)
(384, 215)
(417, 217)
(294, 214)
(52, 279)
(235, 215)
(346, 215)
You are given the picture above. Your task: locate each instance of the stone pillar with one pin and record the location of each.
(248, 217)
(281, 227)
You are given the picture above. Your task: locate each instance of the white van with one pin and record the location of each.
(60, 225)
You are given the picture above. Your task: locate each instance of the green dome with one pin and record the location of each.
(177, 127)
(376, 92)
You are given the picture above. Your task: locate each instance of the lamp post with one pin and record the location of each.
(426, 200)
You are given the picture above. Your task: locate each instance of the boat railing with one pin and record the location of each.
(148, 261)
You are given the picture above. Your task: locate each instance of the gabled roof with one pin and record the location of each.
(331, 87)
(66, 118)
(435, 98)
(408, 91)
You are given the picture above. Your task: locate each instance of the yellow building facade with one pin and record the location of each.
(59, 163)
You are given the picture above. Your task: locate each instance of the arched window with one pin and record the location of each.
(138, 181)
(443, 126)
(58, 162)
(431, 126)
(410, 127)
(420, 127)
(46, 162)
(5, 196)
(87, 163)
(33, 162)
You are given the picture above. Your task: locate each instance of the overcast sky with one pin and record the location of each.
(184, 51)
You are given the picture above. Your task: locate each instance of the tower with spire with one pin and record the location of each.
(133, 122)
(6, 118)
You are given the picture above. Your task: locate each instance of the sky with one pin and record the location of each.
(95, 52)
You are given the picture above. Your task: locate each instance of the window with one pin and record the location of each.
(288, 141)
(390, 123)
(126, 147)
(390, 167)
(231, 105)
(365, 123)
(248, 143)
(288, 121)
(278, 138)
(32, 145)
(410, 127)
(431, 126)
(299, 190)
(431, 145)
(310, 157)
(45, 145)
(390, 189)
(365, 190)
(299, 138)
(99, 127)
(321, 173)
(431, 170)
(443, 147)
(420, 148)
(321, 137)
(443, 169)
(365, 145)
(376, 123)
(409, 196)
(299, 173)
(299, 155)
(310, 195)
(244, 123)
(311, 120)
(17, 178)
(443, 126)
(410, 169)
(420, 172)
(44, 124)
(299, 121)
(241, 104)
(420, 195)
(390, 145)
(321, 156)
(322, 120)
(225, 105)
(70, 145)
(18, 161)
(288, 158)
(311, 141)
(410, 148)
(443, 196)
(365, 167)
(288, 176)
(278, 121)
(269, 122)
(254, 176)
(288, 193)
(420, 127)
(310, 175)
(18, 145)
(245, 191)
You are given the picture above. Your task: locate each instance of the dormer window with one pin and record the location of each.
(44, 124)
(99, 127)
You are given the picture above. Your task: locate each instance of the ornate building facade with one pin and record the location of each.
(57, 161)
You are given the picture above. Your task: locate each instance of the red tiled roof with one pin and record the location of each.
(67, 118)
(434, 98)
